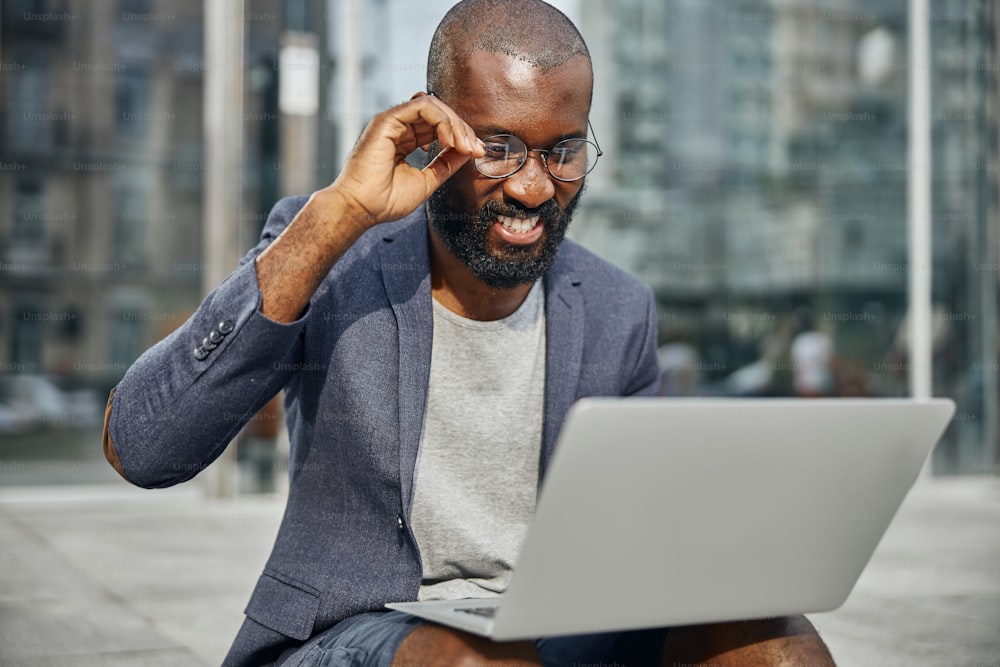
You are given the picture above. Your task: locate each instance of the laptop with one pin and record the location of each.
(661, 512)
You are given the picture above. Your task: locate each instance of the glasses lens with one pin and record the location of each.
(572, 159)
(505, 154)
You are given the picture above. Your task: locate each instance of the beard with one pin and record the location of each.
(467, 236)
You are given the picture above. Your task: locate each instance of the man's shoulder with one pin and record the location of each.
(285, 210)
(596, 273)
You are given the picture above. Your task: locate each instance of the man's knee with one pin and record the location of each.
(786, 640)
(433, 646)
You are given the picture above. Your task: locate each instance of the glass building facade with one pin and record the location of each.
(755, 175)
(759, 184)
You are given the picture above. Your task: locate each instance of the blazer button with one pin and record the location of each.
(201, 353)
(399, 521)
(215, 336)
(226, 327)
(208, 344)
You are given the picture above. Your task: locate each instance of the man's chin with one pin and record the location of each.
(508, 282)
(503, 251)
(487, 251)
(516, 267)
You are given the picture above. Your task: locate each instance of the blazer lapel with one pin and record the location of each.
(405, 268)
(564, 323)
(406, 274)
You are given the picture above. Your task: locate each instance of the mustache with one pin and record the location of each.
(550, 210)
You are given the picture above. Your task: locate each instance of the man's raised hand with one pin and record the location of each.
(378, 184)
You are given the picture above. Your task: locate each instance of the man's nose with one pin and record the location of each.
(532, 185)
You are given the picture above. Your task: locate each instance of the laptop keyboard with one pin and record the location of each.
(488, 612)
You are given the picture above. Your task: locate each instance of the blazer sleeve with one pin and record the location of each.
(645, 377)
(184, 399)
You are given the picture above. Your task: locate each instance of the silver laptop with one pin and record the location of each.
(661, 512)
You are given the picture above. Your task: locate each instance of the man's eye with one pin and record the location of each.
(496, 150)
(566, 153)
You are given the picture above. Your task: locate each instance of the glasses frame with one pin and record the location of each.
(545, 156)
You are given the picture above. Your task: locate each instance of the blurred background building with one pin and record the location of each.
(758, 183)
(754, 175)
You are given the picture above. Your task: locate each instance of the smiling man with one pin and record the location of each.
(431, 328)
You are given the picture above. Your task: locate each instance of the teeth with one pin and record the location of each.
(519, 225)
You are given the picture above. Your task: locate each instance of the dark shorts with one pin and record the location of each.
(371, 640)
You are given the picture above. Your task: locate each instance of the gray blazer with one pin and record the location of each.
(355, 369)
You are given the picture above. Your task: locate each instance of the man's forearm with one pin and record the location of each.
(293, 266)
(181, 402)
(184, 399)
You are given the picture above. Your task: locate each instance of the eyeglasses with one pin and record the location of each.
(569, 160)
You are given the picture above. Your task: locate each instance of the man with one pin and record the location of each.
(430, 329)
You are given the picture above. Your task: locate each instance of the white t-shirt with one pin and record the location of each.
(477, 469)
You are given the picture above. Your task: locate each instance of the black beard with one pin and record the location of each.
(466, 237)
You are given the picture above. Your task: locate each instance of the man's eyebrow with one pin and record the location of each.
(491, 130)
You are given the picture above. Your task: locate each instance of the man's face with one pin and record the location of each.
(508, 230)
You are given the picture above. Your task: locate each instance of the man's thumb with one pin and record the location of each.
(442, 167)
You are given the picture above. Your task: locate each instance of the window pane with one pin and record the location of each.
(760, 188)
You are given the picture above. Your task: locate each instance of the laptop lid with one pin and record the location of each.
(659, 512)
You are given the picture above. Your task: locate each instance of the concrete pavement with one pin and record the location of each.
(109, 576)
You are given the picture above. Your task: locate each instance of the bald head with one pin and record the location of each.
(529, 30)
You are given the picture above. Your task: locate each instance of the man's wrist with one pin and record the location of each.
(341, 209)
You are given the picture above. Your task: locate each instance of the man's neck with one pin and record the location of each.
(457, 288)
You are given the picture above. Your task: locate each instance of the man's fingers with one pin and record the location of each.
(452, 132)
(376, 175)
(441, 168)
(424, 136)
(426, 113)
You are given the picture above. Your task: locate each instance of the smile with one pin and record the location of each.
(518, 225)
(519, 231)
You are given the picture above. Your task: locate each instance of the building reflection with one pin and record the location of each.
(761, 170)
(755, 171)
